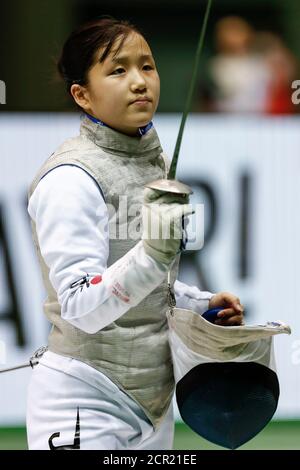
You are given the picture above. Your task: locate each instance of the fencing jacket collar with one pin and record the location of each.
(116, 142)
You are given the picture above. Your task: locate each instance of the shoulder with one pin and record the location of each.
(65, 187)
(75, 152)
(68, 176)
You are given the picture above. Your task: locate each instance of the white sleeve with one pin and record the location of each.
(191, 298)
(72, 228)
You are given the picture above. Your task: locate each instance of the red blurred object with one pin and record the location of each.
(279, 100)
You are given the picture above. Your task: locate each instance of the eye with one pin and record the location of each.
(119, 69)
(149, 67)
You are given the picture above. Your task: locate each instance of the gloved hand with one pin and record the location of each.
(163, 223)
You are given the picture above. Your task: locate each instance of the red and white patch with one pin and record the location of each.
(96, 279)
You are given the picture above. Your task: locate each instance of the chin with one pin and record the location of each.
(144, 122)
(142, 118)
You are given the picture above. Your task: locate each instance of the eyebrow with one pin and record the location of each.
(124, 59)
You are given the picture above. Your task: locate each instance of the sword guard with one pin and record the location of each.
(170, 186)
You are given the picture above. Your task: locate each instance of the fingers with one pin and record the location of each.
(187, 209)
(230, 316)
(177, 211)
(151, 194)
(159, 197)
(235, 320)
(226, 300)
(232, 300)
(229, 312)
(232, 309)
(238, 306)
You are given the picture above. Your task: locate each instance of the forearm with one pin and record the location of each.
(124, 285)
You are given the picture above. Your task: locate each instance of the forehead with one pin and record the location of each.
(134, 45)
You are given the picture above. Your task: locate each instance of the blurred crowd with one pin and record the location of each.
(251, 72)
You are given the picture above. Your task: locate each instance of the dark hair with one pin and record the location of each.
(78, 53)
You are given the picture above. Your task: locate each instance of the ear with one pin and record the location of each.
(80, 95)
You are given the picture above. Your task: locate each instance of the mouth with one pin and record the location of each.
(141, 101)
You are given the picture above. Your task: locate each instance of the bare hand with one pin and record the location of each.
(232, 312)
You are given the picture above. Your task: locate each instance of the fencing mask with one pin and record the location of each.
(227, 388)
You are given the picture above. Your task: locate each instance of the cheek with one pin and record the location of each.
(114, 93)
(96, 94)
(105, 98)
(156, 88)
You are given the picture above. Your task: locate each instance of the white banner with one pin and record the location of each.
(244, 170)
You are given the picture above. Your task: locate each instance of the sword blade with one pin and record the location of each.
(173, 167)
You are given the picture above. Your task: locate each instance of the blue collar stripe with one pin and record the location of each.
(142, 130)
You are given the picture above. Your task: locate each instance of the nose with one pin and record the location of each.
(138, 81)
